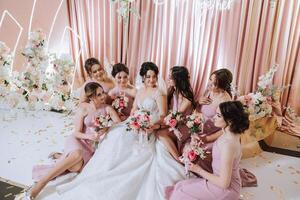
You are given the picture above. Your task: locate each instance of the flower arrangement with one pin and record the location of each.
(124, 9)
(193, 152)
(39, 86)
(141, 120)
(35, 50)
(120, 103)
(195, 122)
(174, 119)
(62, 70)
(258, 106)
(265, 86)
(5, 62)
(102, 121)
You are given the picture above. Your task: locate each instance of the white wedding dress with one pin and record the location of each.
(123, 168)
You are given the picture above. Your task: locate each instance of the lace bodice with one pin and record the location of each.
(150, 104)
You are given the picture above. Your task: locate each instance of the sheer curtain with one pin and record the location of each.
(247, 38)
(172, 33)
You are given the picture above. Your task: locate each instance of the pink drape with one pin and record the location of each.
(248, 38)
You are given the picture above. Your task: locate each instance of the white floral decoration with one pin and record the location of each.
(124, 9)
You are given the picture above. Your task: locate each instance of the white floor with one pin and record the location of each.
(26, 138)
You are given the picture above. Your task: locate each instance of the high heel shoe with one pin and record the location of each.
(26, 195)
(54, 155)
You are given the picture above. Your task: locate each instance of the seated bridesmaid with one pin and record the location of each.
(120, 72)
(224, 183)
(80, 146)
(180, 98)
(97, 74)
(219, 90)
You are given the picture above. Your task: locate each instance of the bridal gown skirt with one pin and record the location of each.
(124, 168)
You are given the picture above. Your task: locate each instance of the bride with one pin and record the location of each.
(123, 167)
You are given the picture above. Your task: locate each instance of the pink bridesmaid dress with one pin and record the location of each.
(182, 128)
(126, 112)
(201, 189)
(72, 144)
(209, 111)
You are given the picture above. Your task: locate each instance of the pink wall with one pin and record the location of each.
(43, 17)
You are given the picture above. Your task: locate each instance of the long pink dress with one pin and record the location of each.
(182, 128)
(72, 144)
(201, 189)
(116, 91)
(209, 111)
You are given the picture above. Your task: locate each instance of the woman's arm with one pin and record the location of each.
(213, 137)
(112, 94)
(223, 180)
(113, 114)
(79, 123)
(134, 105)
(161, 101)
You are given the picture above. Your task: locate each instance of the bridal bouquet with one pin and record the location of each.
(141, 120)
(258, 106)
(193, 152)
(120, 103)
(195, 122)
(174, 119)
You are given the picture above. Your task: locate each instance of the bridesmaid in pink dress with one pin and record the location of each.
(97, 74)
(224, 182)
(181, 99)
(123, 88)
(219, 90)
(79, 147)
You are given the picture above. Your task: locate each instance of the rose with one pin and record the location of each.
(173, 122)
(122, 103)
(146, 118)
(197, 120)
(135, 125)
(192, 155)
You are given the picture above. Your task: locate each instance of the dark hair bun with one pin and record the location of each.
(235, 116)
(146, 66)
(119, 67)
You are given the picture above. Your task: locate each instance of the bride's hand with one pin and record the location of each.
(149, 130)
(102, 131)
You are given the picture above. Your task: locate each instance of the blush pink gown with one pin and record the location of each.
(201, 189)
(182, 128)
(72, 144)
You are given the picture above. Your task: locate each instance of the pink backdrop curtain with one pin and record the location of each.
(173, 33)
(248, 38)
